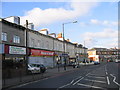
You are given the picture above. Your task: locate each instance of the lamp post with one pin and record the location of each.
(26, 46)
(64, 43)
(84, 53)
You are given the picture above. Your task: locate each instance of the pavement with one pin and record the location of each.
(104, 76)
(8, 83)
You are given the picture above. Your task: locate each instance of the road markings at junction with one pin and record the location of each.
(108, 81)
(69, 83)
(96, 77)
(114, 80)
(63, 86)
(106, 68)
(106, 73)
(78, 81)
(95, 81)
(91, 86)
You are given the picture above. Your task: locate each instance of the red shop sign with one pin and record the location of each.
(35, 52)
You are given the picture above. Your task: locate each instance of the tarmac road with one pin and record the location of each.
(103, 76)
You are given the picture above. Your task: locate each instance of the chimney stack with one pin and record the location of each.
(44, 31)
(52, 35)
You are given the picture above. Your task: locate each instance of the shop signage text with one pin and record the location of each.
(35, 52)
(17, 50)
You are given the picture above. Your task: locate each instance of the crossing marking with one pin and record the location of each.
(108, 81)
(96, 77)
(90, 86)
(78, 81)
(106, 73)
(95, 81)
(114, 80)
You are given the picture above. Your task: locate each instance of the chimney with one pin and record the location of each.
(52, 35)
(44, 31)
(68, 40)
(13, 19)
(59, 35)
(31, 26)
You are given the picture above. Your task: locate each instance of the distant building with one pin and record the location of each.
(102, 54)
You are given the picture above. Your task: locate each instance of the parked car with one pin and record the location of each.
(96, 62)
(33, 69)
(41, 67)
(117, 60)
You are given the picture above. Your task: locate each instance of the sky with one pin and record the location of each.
(97, 22)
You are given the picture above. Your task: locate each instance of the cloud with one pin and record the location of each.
(104, 23)
(39, 16)
(107, 38)
(106, 33)
(94, 21)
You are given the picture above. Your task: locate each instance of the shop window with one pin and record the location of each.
(14, 62)
(16, 39)
(4, 36)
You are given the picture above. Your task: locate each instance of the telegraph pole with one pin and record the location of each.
(27, 46)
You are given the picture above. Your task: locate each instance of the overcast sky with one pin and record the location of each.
(97, 21)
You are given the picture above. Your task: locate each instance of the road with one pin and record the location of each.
(103, 76)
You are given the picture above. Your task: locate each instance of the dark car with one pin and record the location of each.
(41, 66)
(96, 63)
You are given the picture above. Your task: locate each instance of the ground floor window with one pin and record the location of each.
(13, 62)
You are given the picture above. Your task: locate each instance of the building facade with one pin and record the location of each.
(13, 47)
(103, 54)
(41, 47)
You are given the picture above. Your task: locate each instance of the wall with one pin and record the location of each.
(40, 41)
(11, 31)
(71, 49)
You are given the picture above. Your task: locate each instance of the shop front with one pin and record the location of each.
(44, 57)
(58, 58)
(14, 60)
(65, 58)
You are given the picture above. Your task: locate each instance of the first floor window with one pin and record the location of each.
(16, 39)
(4, 36)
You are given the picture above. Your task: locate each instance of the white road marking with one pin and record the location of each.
(106, 73)
(64, 86)
(78, 81)
(90, 86)
(29, 83)
(95, 81)
(108, 81)
(114, 80)
(69, 83)
(106, 68)
(96, 77)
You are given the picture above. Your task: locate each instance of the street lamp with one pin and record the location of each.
(64, 43)
(27, 46)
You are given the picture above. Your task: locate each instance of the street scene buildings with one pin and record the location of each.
(42, 48)
(59, 45)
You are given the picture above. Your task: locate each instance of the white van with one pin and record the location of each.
(33, 69)
(117, 60)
